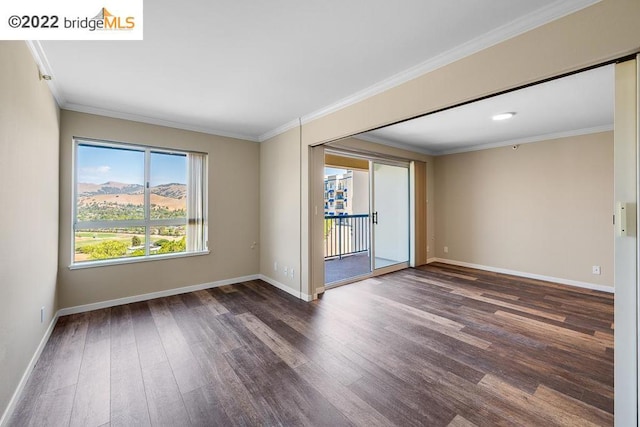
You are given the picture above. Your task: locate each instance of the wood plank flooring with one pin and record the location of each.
(434, 346)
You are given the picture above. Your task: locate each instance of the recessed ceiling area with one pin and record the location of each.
(577, 104)
(250, 69)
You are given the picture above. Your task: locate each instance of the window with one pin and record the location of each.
(133, 203)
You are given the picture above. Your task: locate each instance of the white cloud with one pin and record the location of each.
(96, 170)
(94, 174)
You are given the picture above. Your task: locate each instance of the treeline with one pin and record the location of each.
(117, 249)
(108, 211)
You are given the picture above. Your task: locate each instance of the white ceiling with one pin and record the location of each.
(248, 69)
(577, 104)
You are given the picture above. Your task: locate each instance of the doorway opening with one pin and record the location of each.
(347, 252)
(366, 216)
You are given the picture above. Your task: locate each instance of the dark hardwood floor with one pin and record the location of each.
(434, 346)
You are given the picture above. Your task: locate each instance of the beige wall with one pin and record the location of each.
(29, 214)
(333, 160)
(544, 208)
(280, 208)
(233, 213)
(607, 30)
(362, 146)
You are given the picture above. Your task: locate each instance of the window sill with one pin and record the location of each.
(118, 261)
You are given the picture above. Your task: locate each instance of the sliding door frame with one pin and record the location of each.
(626, 190)
(316, 212)
(372, 205)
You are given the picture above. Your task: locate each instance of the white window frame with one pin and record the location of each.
(147, 222)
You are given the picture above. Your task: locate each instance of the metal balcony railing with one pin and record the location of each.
(345, 235)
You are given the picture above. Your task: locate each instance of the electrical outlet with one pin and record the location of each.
(446, 249)
(253, 245)
(291, 272)
(275, 266)
(286, 271)
(42, 314)
(428, 249)
(595, 269)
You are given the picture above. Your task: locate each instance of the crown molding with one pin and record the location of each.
(279, 130)
(45, 68)
(519, 141)
(396, 144)
(154, 121)
(526, 23)
(556, 10)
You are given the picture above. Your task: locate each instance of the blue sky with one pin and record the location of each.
(98, 165)
(334, 171)
(168, 168)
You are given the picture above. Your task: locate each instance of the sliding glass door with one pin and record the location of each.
(390, 213)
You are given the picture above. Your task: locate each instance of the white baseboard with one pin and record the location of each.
(287, 289)
(153, 295)
(8, 412)
(127, 300)
(96, 306)
(430, 260)
(576, 283)
(183, 290)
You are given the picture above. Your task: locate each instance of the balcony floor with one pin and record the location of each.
(337, 269)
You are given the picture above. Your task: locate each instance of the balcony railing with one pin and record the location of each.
(345, 235)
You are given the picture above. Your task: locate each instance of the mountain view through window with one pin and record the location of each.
(119, 215)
